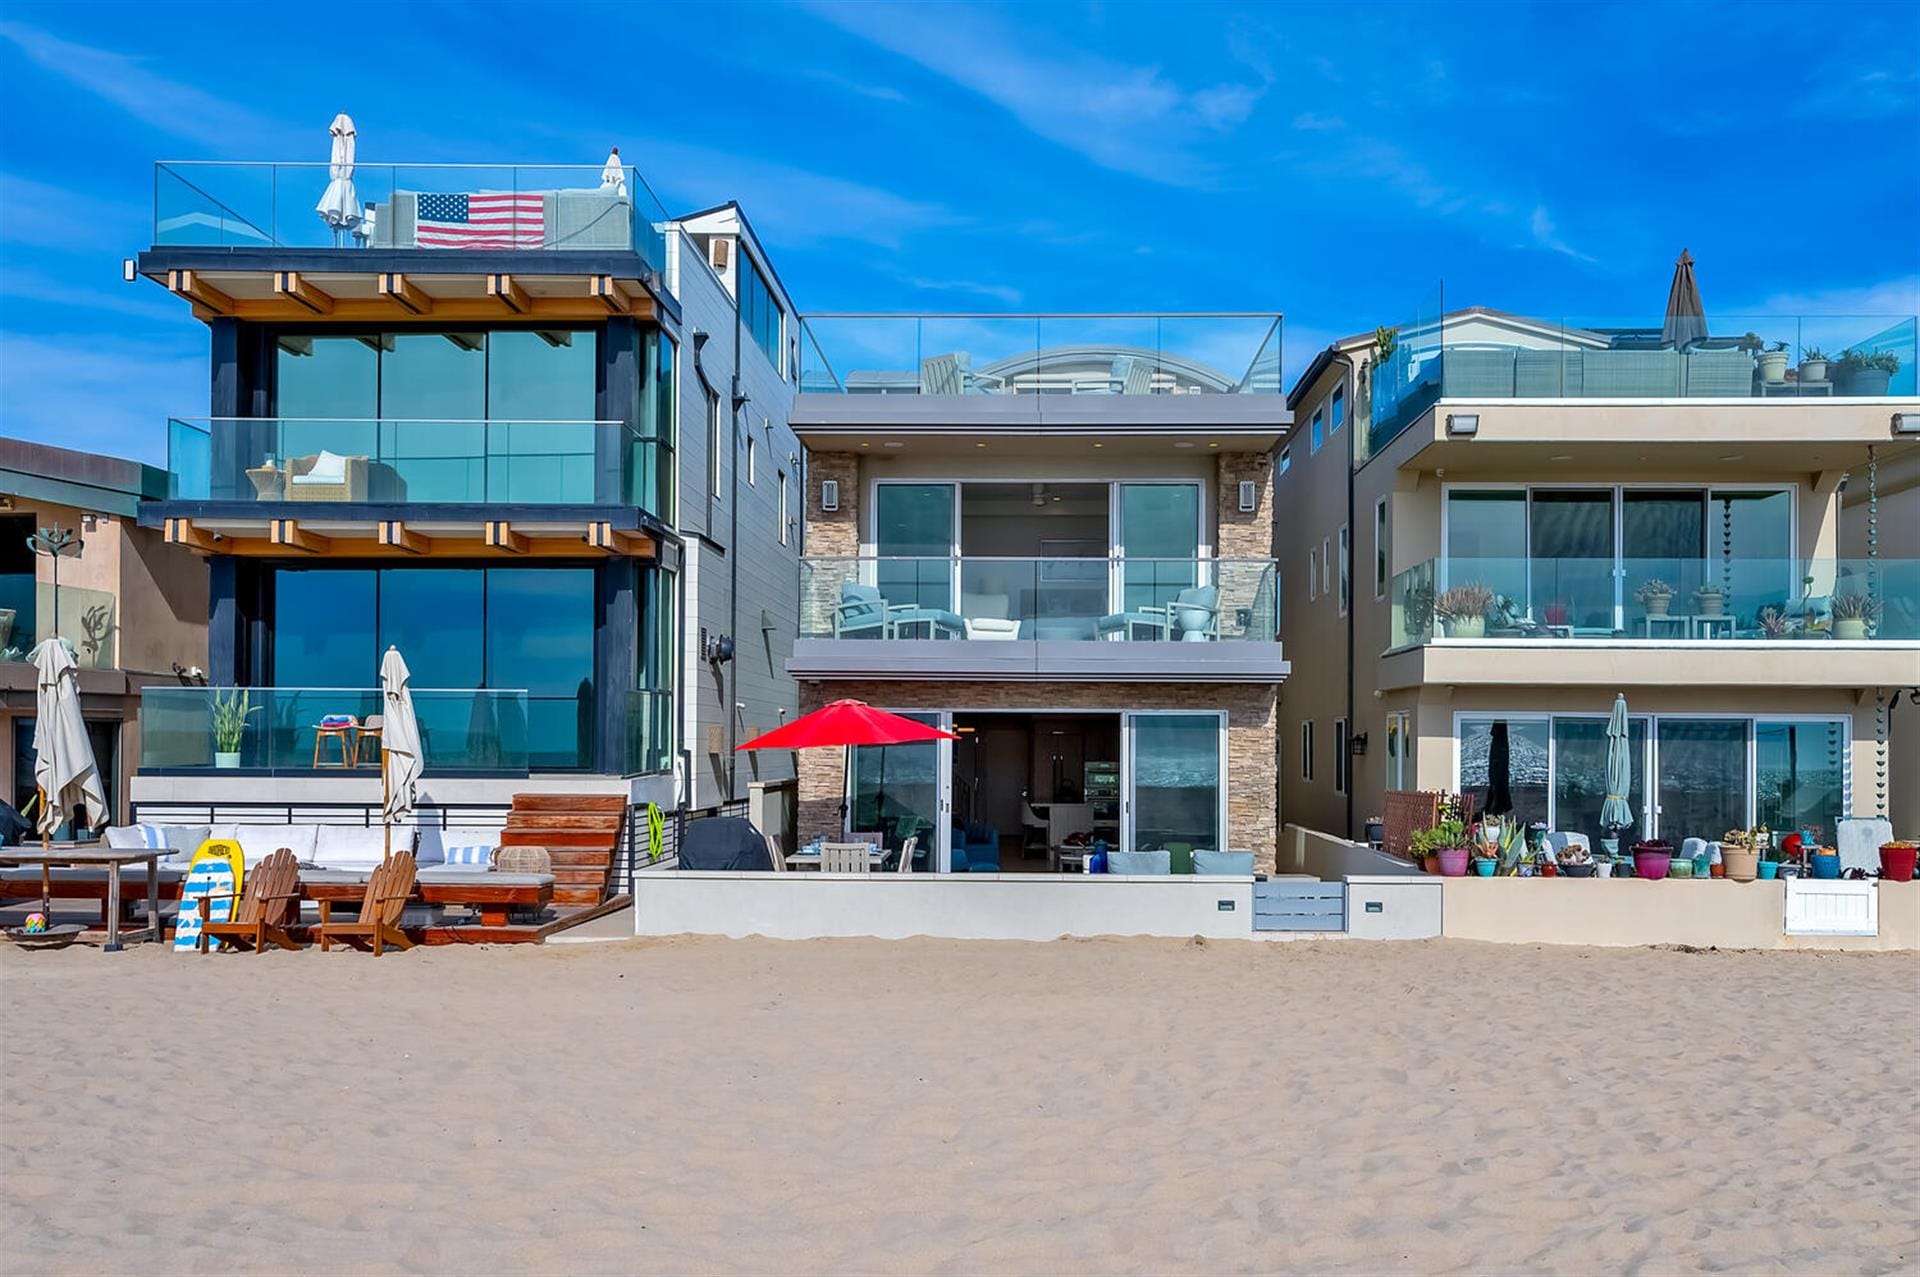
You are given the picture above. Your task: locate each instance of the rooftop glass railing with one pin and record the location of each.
(1041, 354)
(282, 459)
(1053, 600)
(1656, 600)
(1471, 356)
(282, 729)
(218, 204)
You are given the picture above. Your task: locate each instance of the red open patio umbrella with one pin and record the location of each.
(846, 723)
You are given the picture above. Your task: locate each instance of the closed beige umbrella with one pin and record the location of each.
(63, 763)
(1686, 321)
(339, 207)
(400, 752)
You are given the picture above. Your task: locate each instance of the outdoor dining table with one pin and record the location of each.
(809, 857)
(113, 859)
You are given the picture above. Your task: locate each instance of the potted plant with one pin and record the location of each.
(1652, 858)
(1376, 830)
(1852, 614)
(1385, 342)
(1861, 373)
(1772, 362)
(1448, 845)
(1655, 595)
(1813, 364)
(1774, 624)
(230, 711)
(1577, 861)
(1825, 862)
(1817, 628)
(1897, 860)
(1739, 855)
(1711, 598)
(1463, 610)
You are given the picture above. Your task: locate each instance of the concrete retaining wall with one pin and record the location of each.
(1332, 858)
(806, 906)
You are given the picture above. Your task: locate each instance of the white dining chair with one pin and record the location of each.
(845, 858)
(906, 855)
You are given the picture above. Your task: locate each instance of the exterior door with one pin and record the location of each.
(914, 544)
(1173, 790)
(1157, 535)
(905, 791)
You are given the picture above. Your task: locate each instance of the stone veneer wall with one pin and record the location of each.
(1249, 592)
(831, 534)
(1250, 709)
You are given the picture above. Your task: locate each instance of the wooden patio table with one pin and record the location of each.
(112, 859)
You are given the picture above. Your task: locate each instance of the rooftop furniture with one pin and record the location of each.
(1194, 613)
(1133, 375)
(345, 734)
(952, 374)
(271, 894)
(378, 925)
(845, 858)
(326, 476)
(584, 218)
(863, 612)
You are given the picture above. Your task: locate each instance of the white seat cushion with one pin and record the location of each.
(257, 842)
(358, 846)
(468, 845)
(328, 467)
(978, 627)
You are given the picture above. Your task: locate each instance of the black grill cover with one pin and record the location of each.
(722, 843)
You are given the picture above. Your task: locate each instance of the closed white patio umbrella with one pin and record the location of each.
(340, 206)
(63, 763)
(613, 177)
(400, 760)
(1615, 815)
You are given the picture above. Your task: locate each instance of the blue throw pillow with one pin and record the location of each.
(479, 857)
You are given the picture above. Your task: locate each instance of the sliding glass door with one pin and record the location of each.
(1702, 776)
(913, 529)
(1800, 775)
(1173, 782)
(1580, 777)
(1158, 534)
(903, 791)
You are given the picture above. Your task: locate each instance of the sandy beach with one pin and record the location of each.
(930, 1106)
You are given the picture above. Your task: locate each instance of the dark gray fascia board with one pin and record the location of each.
(154, 514)
(156, 262)
(1093, 414)
(1021, 660)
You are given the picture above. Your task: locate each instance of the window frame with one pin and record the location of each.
(1342, 756)
(1380, 544)
(1346, 569)
(1306, 749)
(783, 506)
(1313, 574)
(1316, 430)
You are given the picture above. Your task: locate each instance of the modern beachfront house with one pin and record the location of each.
(1493, 523)
(133, 608)
(450, 420)
(1051, 535)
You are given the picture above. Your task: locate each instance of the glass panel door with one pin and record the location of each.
(1503, 764)
(1159, 539)
(1662, 537)
(901, 791)
(1750, 539)
(1702, 777)
(1800, 776)
(1173, 782)
(913, 537)
(1397, 751)
(1580, 777)
(1487, 542)
(1570, 544)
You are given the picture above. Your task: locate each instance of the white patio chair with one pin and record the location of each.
(906, 855)
(774, 853)
(845, 858)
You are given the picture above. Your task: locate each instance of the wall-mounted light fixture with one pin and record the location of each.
(1249, 496)
(1906, 423)
(829, 494)
(1463, 423)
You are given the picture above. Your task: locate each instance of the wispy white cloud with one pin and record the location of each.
(1849, 91)
(1127, 117)
(1547, 236)
(1315, 122)
(41, 215)
(100, 394)
(1899, 296)
(20, 283)
(792, 205)
(128, 83)
(862, 88)
(1003, 293)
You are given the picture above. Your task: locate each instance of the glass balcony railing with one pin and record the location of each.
(1113, 600)
(218, 204)
(280, 459)
(279, 729)
(1470, 356)
(1040, 354)
(1656, 600)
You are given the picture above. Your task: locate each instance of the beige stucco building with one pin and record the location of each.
(133, 607)
(1493, 531)
(1053, 539)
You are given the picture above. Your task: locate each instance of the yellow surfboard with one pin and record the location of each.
(216, 871)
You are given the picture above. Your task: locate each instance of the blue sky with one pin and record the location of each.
(1330, 162)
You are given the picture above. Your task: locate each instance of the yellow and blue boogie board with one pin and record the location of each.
(216, 871)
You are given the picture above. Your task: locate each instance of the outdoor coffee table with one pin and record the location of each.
(112, 859)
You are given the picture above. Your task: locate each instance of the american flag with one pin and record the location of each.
(480, 221)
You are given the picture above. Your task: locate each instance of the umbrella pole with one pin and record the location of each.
(46, 870)
(385, 824)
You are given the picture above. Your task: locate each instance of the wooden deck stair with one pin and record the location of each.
(579, 832)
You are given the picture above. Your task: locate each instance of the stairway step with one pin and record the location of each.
(578, 877)
(563, 895)
(580, 859)
(570, 802)
(564, 820)
(587, 841)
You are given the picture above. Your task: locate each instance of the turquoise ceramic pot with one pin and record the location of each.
(1485, 868)
(1769, 869)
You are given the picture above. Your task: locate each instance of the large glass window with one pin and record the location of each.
(324, 628)
(1503, 764)
(1571, 542)
(895, 790)
(1487, 541)
(549, 651)
(1160, 538)
(1580, 777)
(759, 312)
(324, 378)
(913, 535)
(1750, 549)
(1176, 781)
(18, 591)
(1703, 777)
(1800, 776)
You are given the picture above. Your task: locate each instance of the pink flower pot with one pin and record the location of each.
(1652, 864)
(1453, 864)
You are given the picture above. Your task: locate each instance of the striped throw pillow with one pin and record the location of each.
(480, 856)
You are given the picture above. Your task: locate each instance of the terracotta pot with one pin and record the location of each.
(1549, 870)
(1896, 863)
(1741, 866)
(1453, 863)
(1430, 862)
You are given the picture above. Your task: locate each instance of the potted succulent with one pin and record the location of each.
(1447, 846)
(1739, 856)
(1774, 624)
(1463, 610)
(1852, 614)
(1711, 598)
(1577, 861)
(1652, 858)
(1655, 595)
(1861, 373)
(1376, 830)
(1772, 362)
(230, 711)
(1813, 364)
(1897, 860)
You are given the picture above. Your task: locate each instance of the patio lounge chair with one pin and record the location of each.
(863, 612)
(378, 925)
(1133, 374)
(1194, 614)
(326, 476)
(271, 893)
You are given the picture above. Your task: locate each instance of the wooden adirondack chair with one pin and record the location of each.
(379, 922)
(271, 893)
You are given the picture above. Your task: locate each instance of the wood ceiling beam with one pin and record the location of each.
(616, 299)
(182, 532)
(196, 290)
(289, 533)
(395, 533)
(288, 284)
(509, 294)
(501, 536)
(404, 293)
(621, 541)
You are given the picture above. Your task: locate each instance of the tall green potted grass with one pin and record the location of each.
(230, 711)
